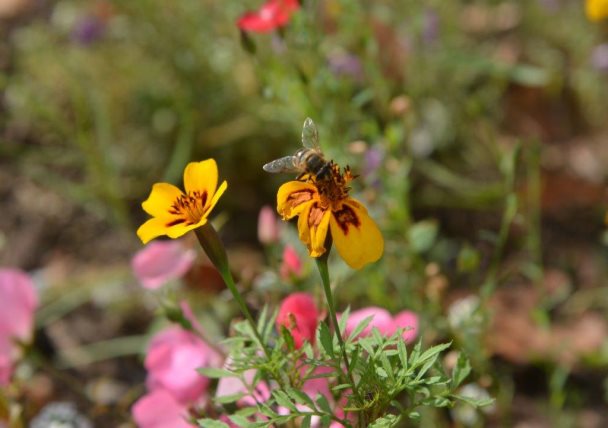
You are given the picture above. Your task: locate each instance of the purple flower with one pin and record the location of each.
(346, 64)
(88, 30)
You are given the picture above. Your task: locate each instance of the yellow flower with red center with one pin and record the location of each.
(174, 213)
(596, 9)
(323, 206)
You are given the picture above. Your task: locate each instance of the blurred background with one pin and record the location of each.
(478, 130)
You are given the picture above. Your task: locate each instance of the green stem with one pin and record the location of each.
(324, 272)
(211, 243)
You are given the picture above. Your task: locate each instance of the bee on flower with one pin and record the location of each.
(319, 197)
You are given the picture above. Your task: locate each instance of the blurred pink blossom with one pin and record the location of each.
(299, 314)
(268, 226)
(161, 261)
(172, 359)
(18, 302)
(408, 321)
(159, 409)
(384, 322)
(291, 264)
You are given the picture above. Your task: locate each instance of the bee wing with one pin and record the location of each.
(285, 164)
(310, 135)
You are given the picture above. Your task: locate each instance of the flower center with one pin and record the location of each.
(189, 208)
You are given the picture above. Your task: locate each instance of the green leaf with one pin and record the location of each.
(431, 352)
(387, 421)
(343, 319)
(211, 423)
(326, 339)
(301, 398)
(215, 373)
(415, 416)
(381, 372)
(282, 399)
(474, 401)
(461, 371)
(225, 399)
(306, 422)
(361, 326)
(323, 404)
(288, 338)
(402, 353)
(239, 420)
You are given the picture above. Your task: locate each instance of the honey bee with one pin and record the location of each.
(307, 160)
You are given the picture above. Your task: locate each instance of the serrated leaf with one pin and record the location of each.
(323, 404)
(474, 402)
(247, 411)
(306, 422)
(240, 420)
(461, 371)
(415, 353)
(427, 366)
(326, 339)
(431, 352)
(288, 338)
(381, 372)
(387, 421)
(301, 398)
(231, 398)
(402, 353)
(215, 373)
(343, 319)
(211, 423)
(282, 399)
(361, 326)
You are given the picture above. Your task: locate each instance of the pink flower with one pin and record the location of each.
(18, 302)
(268, 226)
(173, 357)
(384, 322)
(408, 321)
(272, 15)
(291, 264)
(159, 409)
(298, 313)
(161, 261)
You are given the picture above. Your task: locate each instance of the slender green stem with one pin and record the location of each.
(324, 272)
(211, 243)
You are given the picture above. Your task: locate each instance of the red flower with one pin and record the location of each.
(273, 14)
(298, 313)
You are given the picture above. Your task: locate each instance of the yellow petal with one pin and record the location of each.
(356, 235)
(596, 9)
(220, 191)
(292, 197)
(201, 177)
(162, 196)
(312, 228)
(318, 234)
(173, 228)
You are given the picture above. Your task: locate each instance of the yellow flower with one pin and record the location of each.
(174, 212)
(324, 205)
(596, 9)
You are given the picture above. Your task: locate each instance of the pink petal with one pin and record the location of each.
(268, 226)
(291, 264)
(407, 319)
(173, 357)
(382, 320)
(18, 302)
(298, 313)
(160, 262)
(158, 409)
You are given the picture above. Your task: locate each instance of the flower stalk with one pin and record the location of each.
(324, 272)
(213, 247)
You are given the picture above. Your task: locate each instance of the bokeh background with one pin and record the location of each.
(479, 130)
